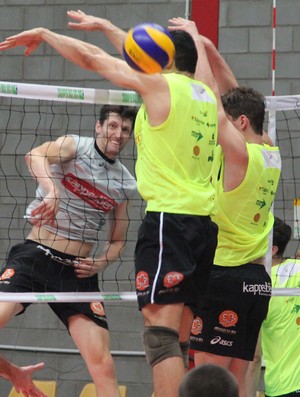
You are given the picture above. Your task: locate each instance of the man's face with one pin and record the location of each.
(113, 135)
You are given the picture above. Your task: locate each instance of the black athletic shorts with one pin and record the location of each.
(234, 307)
(295, 393)
(173, 258)
(32, 267)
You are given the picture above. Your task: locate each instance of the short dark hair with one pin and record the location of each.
(126, 112)
(282, 233)
(247, 101)
(208, 380)
(186, 55)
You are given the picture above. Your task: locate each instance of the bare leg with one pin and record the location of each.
(8, 310)
(239, 368)
(185, 331)
(94, 346)
(236, 366)
(167, 374)
(254, 370)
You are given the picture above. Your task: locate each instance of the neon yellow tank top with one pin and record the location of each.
(243, 215)
(174, 161)
(281, 333)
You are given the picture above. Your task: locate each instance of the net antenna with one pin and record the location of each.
(274, 46)
(272, 121)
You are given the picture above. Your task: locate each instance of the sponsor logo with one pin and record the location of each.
(271, 182)
(131, 98)
(260, 289)
(88, 193)
(46, 298)
(225, 330)
(71, 93)
(197, 326)
(173, 278)
(97, 308)
(196, 150)
(9, 89)
(211, 158)
(261, 203)
(197, 120)
(228, 318)
(138, 139)
(256, 218)
(9, 273)
(218, 340)
(142, 281)
(263, 189)
(197, 135)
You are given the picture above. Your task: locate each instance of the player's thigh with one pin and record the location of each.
(204, 358)
(169, 315)
(8, 310)
(91, 339)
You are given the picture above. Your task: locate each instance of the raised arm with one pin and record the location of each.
(229, 137)
(93, 58)
(89, 22)
(203, 70)
(38, 161)
(221, 70)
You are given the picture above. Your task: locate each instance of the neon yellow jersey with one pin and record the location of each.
(243, 215)
(174, 162)
(281, 333)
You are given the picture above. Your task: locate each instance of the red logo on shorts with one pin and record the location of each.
(197, 326)
(142, 281)
(97, 308)
(172, 278)
(228, 318)
(7, 274)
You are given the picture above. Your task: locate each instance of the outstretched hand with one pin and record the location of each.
(186, 25)
(86, 22)
(29, 39)
(22, 380)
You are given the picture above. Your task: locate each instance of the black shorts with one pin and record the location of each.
(32, 267)
(295, 393)
(173, 258)
(235, 305)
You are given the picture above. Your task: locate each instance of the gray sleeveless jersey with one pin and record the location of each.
(90, 186)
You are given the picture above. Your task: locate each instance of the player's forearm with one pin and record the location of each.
(112, 251)
(115, 35)
(40, 170)
(203, 69)
(76, 51)
(6, 369)
(221, 70)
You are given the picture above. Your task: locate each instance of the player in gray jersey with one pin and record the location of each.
(80, 181)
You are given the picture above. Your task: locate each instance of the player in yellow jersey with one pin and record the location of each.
(176, 135)
(280, 331)
(226, 329)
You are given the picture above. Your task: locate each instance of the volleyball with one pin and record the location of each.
(148, 48)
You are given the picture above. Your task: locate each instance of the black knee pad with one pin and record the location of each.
(161, 343)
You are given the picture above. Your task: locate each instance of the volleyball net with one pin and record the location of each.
(33, 114)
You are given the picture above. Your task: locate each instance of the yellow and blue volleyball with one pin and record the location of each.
(148, 48)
